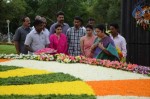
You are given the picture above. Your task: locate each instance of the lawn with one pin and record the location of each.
(7, 49)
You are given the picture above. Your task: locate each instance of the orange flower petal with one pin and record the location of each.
(4, 60)
(121, 87)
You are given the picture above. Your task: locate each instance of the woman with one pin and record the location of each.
(87, 41)
(58, 40)
(104, 47)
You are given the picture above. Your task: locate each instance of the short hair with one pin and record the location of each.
(37, 17)
(115, 25)
(23, 18)
(78, 18)
(101, 27)
(57, 25)
(37, 22)
(43, 19)
(91, 19)
(89, 26)
(60, 13)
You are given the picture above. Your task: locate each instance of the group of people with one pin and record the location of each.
(90, 41)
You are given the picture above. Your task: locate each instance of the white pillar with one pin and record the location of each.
(9, 41)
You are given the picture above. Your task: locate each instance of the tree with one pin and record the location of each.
(71, 8)
(102, 10)
(106, 11)
(11, 11)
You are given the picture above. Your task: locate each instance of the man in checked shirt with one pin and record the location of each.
(74, 34)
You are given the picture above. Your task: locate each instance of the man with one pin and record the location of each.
(45, 30)
(91, 21)
(119, 40)
(74, 34)
(60, 20)
(20, 35)
(37, 17)
(36, 39)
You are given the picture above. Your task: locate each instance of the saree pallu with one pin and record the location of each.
(110, 47)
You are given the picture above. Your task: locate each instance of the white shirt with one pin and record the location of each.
(84, 28)
(36, 40)
(45, 31)
(120, 42)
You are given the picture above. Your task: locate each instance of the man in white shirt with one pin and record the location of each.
(45, 30)
(36, 39)
(119, 40)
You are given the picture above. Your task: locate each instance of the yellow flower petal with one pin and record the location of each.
(21, 72)
(62, 88)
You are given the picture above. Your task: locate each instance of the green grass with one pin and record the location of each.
(5, 68)
(7, 49)
(37, 79)
(48, 97)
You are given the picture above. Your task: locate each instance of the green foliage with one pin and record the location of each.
(37, 79)
(106, 11)
(114, 12)
(102, 10)
(5, 68)
(71, 8)
(48, 97)
(31, 8)
(7, 49)
(12, 11)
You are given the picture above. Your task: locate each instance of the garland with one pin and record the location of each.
(141, 13)
(62, 58)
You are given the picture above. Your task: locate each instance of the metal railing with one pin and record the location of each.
(4, 37)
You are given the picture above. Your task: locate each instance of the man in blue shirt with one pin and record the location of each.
(60, 20)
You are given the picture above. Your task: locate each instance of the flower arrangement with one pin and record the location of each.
(119, 52)
(122, 59)
(142, 16)
(62, 58)
(141, 69)
(80, 59)
(45, 57)
(46, 50)
(92, 61)
(16, 56)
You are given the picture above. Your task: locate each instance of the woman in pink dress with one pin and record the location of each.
(87, 41)
(58, 40)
